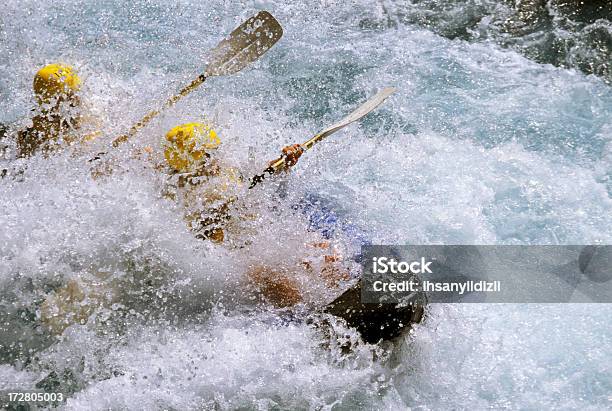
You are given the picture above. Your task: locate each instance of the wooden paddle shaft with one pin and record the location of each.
(153, 113)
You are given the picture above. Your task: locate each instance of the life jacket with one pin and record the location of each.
(208, 196)
(50, 129)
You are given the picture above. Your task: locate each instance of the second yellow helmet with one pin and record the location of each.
(186, 145)
(55, 80)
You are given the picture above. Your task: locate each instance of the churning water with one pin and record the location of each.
(480, 145)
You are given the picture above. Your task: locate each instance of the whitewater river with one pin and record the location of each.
(479, 145)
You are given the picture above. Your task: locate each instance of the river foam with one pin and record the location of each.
(479, 146)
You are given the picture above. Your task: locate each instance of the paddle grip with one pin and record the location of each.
(272, 169)
(261, 177)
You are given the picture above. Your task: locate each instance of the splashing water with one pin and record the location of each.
(479, 146)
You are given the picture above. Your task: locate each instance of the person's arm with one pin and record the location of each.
(27, 142)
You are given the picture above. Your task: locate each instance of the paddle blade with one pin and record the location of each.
(360, 112)
(244, 45)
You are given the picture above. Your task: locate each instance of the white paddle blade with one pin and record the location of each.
(360, 112)
(244, 45)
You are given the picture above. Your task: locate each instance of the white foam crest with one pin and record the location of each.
(479, 145)
(533, 355)
(232, 362)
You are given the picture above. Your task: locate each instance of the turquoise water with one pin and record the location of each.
(480, 145)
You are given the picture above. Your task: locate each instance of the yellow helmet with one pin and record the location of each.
(55, 80)
(186, 145)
